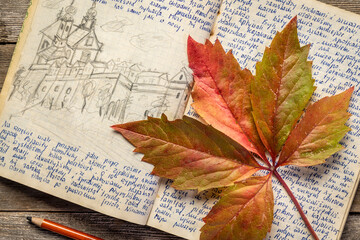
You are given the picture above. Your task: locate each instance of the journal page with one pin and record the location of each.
(81, 67)
(325, 192)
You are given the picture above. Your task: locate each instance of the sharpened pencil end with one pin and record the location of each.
(29, 219)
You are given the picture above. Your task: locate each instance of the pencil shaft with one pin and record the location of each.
(63, 230)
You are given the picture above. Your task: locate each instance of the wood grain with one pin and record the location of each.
(18, 201)
(352, 228)
(11, 18)
(6, 52)
(349, 5)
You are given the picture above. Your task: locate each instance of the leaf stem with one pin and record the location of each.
(265, 168)
(263, 157)
(307, 223)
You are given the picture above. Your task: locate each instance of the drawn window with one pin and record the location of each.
(181, 77)
(177, 95)
(68, 91)
(85, 56)
(67, 29)
(62, 26)
(185, 97)
(56, 89)
(89, 41)
(43, 89)
(45, 44)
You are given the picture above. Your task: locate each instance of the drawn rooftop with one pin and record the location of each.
(67, 74)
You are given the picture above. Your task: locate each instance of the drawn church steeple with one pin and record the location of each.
(88, 21)
(66, 23)
(64, 42)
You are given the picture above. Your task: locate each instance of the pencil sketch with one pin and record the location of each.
(18, 81)
(67, 75)
(52, 4)
(116, 25)
(147, 41)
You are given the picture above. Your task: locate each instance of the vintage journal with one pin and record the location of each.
(81, 66)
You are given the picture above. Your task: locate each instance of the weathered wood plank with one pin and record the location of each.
(15, 226)
(352, 228)
(12, 13)
(349, 5)
(6, 52)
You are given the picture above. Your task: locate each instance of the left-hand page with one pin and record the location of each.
(81, 67)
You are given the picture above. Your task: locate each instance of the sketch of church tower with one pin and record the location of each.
(63, 41)
(84, 41)
(66, 74)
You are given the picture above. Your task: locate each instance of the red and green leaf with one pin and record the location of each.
(281, 88)
(245, 211)
(196, 156)
(222, 93)
(318, 133)
(246, 113)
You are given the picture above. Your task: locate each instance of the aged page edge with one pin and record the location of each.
(14, 63)
(347, 15)
(351, 200)
(24, 32)
(340, 12)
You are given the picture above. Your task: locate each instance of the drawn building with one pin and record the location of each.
(67, 74)
(63, 41)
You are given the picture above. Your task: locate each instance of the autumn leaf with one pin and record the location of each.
(194, 155)
(249, 117)
(317, 135)
(281, 88)
(233, 216)
(221, 86)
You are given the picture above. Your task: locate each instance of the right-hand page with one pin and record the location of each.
(325, 191)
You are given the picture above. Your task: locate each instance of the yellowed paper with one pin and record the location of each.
(82, 66)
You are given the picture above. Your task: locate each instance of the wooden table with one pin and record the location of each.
(18, 201)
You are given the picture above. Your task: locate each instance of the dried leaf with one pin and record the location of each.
(317, 135)
(196, 156)
(222, 93)
(245, 211)
(281, 88)
(246, 113)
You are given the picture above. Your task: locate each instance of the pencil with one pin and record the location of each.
(60, 229)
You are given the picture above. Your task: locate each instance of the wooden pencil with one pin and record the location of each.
(60, 229)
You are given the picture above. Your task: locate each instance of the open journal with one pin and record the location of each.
(81, 66)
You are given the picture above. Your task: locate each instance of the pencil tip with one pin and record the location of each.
(29, 219)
